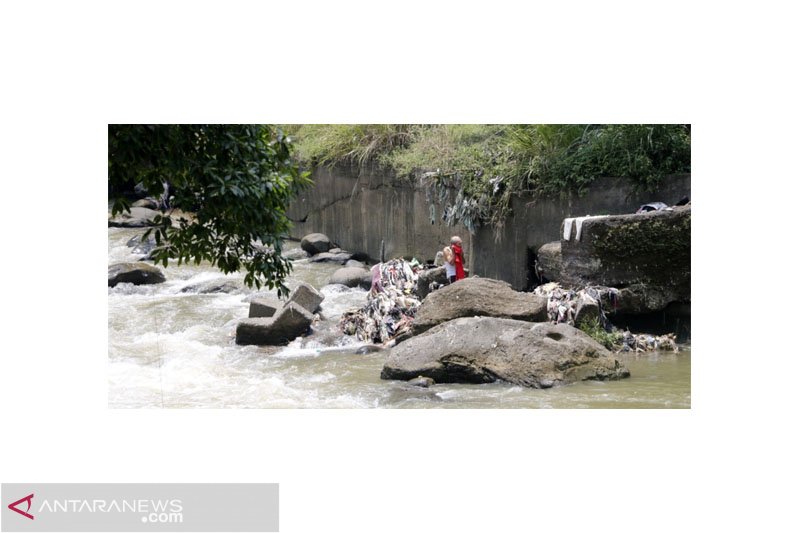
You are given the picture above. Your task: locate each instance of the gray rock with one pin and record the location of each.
(213, 286)
(355, 264)
(264, 307)
(426, 277)
(306, 297)
(287, 324)
(641, 298)
(368, 348)
(548, 261)
(315, 243)
(648, 253)
(421, 381)
(144, 247)
(136, 273)
(295, 254)
(137, 218)
(352, 277)
(478, 297)
(147, 203)
(327, 257)
(587, 310)
(335, 250)
(487, 349)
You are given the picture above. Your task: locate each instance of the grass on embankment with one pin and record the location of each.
(488, 164)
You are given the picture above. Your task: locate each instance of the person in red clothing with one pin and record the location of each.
(458, 253)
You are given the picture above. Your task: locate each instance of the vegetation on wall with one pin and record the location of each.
(488, 164)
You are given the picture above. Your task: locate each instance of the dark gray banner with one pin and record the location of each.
(139, 507)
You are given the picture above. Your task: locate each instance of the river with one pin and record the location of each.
(173, 349)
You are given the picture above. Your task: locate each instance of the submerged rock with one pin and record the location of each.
(315, 243)
(421, 381)
(478, 297)
(295, 254)
(328, 257)
(306, 297)
(136, 273)
(352, 277)
(287, 324)
(486, 349)
(368, 348)
(213, 286)
(144, 247)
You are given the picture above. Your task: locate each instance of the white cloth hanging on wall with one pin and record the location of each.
(567, 228)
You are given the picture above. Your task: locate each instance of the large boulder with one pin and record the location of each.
(649, 254)
(352, 277)
(306, 297)
(486, 349)
(138, 217)
(478, 297)
(136, 273)
(287, 324)
(315, 243)
(264, 307)
(328, 257)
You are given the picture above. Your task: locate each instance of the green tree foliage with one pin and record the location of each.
(235, 180)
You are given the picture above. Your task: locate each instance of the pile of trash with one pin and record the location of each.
(645, 343)
(562, 304)
(391, 303)
(562, 307)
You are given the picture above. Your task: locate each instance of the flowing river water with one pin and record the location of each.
(174, 349)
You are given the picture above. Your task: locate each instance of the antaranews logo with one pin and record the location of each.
(13, 506)
(143, 507)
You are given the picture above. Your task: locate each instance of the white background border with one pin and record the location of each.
(69, 68)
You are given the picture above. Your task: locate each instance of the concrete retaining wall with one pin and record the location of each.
(357, 208)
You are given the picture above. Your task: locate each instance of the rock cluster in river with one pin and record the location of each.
(320, 249)
(270, 325)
